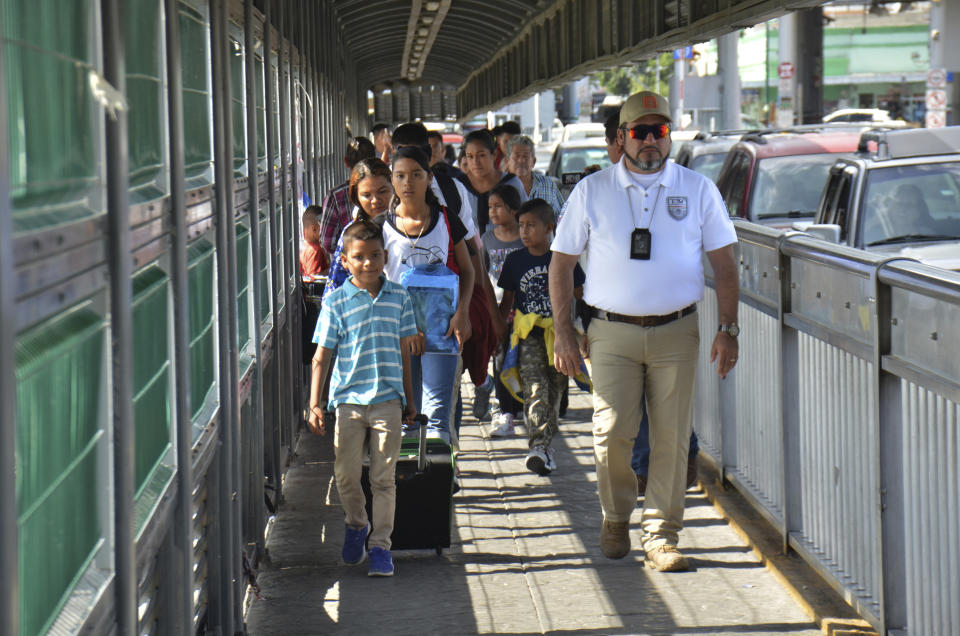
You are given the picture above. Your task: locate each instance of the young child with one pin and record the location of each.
(369, 321)
(313, 260)
(501, 238)
(526, 289)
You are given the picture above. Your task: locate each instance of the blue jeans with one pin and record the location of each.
(640, 461)
(434, 376)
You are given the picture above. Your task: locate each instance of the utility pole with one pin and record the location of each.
(729, 80)
(787, 93)
(809, 61)
(943, 92)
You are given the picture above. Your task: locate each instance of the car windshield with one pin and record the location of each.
(915, 203)
(577, 159)
(789, 186)
(708, 164)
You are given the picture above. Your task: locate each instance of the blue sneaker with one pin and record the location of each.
(381, 563)
(354, 545)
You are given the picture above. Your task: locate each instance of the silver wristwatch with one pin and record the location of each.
(731, 329)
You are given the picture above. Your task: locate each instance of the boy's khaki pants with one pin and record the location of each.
(383, 421)
(626, 362)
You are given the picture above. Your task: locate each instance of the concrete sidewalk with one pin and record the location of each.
(526, 559)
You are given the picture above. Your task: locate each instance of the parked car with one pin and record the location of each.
(865, 116)
(898, 195)
(705, 152)
(572, 132)
(680, 137)
(775, 178)
(573, 157)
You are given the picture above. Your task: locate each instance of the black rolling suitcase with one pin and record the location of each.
(424, 513)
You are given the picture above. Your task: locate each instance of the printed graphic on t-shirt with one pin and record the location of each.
(424, 255)
(534, 288)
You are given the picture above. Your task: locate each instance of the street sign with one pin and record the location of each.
(936, 99)
(936, 118)
(936, 78)
(686, 53)
(785, 70)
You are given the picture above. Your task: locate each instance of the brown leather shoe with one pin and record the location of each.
(615, 539)
(691, 471)
(666, 558)
(641, 485)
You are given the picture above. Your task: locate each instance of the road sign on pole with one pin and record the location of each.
(936, 118)
(785, 70)
(936, 78)
(936, 99)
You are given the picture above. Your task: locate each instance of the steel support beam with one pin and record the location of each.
(121, 324)
(254, 499)
(226, 559)
(9, 531)
(271, 418)
(181, 620)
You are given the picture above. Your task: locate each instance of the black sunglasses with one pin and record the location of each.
(640, 131)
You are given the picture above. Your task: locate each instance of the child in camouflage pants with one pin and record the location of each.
(526, 289)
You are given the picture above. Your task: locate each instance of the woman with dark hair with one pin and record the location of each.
(370, 190)
(336, 205)
(479, 147)
(420, 235)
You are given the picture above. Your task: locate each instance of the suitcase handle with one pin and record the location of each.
(421, 419)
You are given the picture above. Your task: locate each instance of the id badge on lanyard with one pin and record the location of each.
(641, 241)
(640, 244)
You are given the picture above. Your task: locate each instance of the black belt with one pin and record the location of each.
(643, 321)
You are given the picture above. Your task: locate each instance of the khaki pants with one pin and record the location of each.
(383, 421)
(626, 362)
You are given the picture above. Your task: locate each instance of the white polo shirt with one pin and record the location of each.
(686, 217)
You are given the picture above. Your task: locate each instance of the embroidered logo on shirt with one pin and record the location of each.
(677, 207)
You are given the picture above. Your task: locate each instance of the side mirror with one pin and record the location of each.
(825, 231)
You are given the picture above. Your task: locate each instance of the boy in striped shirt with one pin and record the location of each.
(368, 321)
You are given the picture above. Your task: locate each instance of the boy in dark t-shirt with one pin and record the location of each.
(525, 288)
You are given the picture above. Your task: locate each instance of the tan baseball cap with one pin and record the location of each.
(644, 103)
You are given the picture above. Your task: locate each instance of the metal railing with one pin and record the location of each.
(841, 422)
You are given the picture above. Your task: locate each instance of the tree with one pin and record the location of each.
(617, 80)
(625, 80)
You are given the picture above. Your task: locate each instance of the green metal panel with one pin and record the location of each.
(194, 52)
(239, 102)
(261, 101)
(265, 308)
(57, 487)
(280, 292)
(52, 119)
(200, 259)
(144, 64)
(151, 380)
(243, 285)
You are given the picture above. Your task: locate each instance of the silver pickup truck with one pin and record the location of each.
(899, 194)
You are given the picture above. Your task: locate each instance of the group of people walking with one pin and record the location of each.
(435, 270)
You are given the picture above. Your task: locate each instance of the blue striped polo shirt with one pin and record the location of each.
(366, 333)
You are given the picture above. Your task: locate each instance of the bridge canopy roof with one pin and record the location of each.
(494, 52)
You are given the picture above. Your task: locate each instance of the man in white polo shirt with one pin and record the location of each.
(643, 226)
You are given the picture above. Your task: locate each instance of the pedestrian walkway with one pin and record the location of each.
(525, 560)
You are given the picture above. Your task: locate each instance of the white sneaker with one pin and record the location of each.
(538, 461)
(551, 460)
(502, 426)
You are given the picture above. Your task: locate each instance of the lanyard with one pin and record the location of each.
(633, 215)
